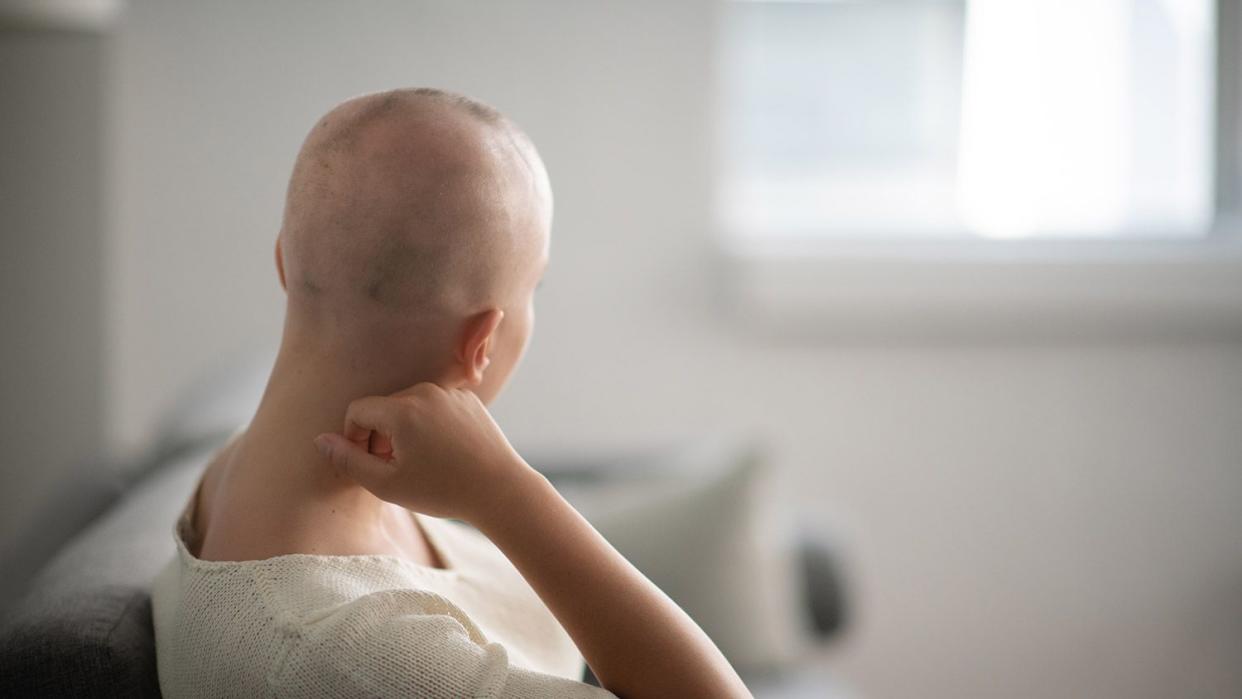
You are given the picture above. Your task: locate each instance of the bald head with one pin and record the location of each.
(412, 205)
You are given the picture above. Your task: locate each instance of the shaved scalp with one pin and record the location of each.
(412, 204)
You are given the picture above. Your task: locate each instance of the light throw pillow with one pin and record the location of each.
(704, 527)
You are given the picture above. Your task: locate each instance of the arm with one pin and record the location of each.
(638, 642)
(448, 458)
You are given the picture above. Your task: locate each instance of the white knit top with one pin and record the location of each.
(302, 625)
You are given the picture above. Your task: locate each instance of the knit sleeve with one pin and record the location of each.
(408, 643)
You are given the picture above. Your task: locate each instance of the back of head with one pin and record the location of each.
(407, 211)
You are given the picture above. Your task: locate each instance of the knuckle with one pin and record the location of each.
(356, 407)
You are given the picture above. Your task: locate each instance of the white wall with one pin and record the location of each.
(1058, 520)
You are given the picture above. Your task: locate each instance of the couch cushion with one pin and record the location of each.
(83, 493)
(85, 627)
(701, 523)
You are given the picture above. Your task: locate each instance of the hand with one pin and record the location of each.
(438, 451)
(432, 449)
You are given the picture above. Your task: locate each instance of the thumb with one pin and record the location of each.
(353, 461)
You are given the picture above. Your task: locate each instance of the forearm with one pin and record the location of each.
(638, 642)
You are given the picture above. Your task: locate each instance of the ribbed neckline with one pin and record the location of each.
(433, 538)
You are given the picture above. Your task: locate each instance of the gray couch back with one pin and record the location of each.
(85, 630)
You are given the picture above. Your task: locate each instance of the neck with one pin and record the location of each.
(307, 395)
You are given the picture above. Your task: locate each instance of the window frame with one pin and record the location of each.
(836, 287)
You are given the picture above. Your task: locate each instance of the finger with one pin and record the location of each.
(369, 471)
(358, 436)
(379, 445)
(367, 415)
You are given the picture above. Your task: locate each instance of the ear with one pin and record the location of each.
(480, 334)
(280, 264)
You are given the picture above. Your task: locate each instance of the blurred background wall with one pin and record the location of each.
(52, 296)
(1023, 519)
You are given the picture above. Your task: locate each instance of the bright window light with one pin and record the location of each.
(988, 118)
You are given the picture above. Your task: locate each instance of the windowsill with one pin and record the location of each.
(960, 290)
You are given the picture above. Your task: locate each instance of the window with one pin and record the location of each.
(968, 119)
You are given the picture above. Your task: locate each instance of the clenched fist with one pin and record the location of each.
(429, 449)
